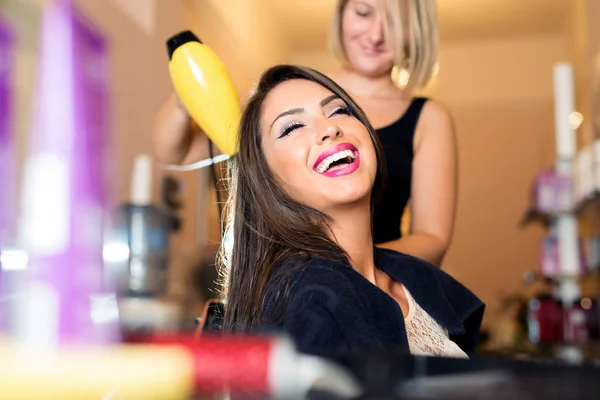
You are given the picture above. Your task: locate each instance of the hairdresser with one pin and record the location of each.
(388, 52)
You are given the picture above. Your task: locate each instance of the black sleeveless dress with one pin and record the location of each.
(397, 140)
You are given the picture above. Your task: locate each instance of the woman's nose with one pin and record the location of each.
(330, 131)
(375, 33)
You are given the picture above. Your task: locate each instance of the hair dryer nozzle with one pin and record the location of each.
(181, 38)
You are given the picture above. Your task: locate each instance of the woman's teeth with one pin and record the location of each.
(326, 163)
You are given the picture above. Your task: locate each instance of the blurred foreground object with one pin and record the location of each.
(136, 256)
(7, 166)
(174, 368)
(65, 191)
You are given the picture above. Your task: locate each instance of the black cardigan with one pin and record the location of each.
(328, 307)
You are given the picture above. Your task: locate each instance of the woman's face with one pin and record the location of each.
(323, 156)
(364, 40)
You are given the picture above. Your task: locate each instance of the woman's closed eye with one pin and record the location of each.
(343, 110)
(292, 126)
(362, 12)
(289, 128)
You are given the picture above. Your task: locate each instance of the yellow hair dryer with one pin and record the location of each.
(206, 90)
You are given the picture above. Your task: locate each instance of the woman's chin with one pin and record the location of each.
(372, 69)
(350, 198)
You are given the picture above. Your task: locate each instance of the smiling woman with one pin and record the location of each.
(303, 185)
(313, 136)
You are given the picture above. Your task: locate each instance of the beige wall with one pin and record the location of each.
(579, 50)
(514, 71)
(585, 53)
(243, 35)
(501, 95)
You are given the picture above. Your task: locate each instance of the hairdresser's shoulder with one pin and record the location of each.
(436, 119)
(436, 110)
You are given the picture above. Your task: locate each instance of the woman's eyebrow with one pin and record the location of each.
(292, 111)
(328, 99)
(300, 110)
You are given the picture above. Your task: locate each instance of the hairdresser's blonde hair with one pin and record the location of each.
(414, 65)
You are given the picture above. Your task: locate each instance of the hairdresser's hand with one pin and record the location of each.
(176, 140)
(180, 104)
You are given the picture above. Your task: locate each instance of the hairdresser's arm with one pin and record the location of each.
(175, 139)
(434, 187)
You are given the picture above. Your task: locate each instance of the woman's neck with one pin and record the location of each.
(351, 229)
(366, 86)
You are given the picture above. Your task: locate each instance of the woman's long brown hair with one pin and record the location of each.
(266, 225)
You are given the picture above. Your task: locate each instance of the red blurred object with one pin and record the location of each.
(545, 320)
(238, 363)
(550, 322)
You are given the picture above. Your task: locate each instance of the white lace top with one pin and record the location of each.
(425, 336)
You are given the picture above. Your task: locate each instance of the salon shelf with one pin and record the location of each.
(534, 216)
